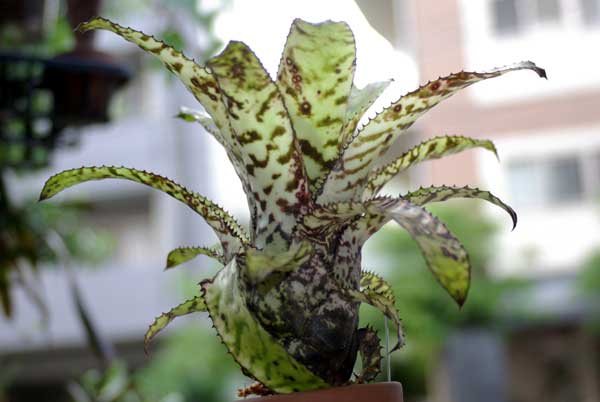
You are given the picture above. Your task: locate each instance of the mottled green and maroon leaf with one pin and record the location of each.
(229, 232)
(359, 102)
(181, 255)
(426, 195)
(260, 264)
(445, 255)
(349, 174)
(193, 305)
(195, 116)
(315, 77)
(262, 127)
(259, 355)
(197, 79)
(434, 148)
(369, 348)
(376, 284)
(382, 304)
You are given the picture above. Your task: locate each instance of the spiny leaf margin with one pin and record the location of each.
(230, 233)
(190, 306)
(425, 195)
(181, 255)
(435, 148)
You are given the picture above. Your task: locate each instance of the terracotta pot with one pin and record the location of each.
(379, 392)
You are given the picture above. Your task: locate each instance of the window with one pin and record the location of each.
(547, 10)
(590, 11)
(511, 17)
(505, 17)
(546, 182)
(515, 16)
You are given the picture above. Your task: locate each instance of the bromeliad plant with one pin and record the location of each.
(286, 301)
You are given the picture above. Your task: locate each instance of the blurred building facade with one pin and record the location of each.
(548, 138)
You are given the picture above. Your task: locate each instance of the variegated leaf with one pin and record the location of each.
(382, 304)
(209, 125)
(348, 177)
(369, 348)
(196, 116)
(229, 232)
(193, 305)
(375, 283)
(316, 89)
(260, 264)
(262, 127)
(259, 355)
(426, 195)
(434, 148)
(444, 254)
(184, 254)
(358, 104)
(197, 79)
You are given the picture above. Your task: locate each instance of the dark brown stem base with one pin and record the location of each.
(380, 392)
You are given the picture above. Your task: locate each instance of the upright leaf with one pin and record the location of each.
(348, 177)
(358, 104)
(426, 195)
(315, 77)
(434, 148)
(229, 232)
(263, 130)
(259, 355)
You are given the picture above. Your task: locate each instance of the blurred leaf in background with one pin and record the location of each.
(192, 361)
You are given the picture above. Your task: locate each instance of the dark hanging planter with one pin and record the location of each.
(28, 15)
(378, 392)
(41, 97)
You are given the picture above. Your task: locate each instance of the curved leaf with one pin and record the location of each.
(376, 284)
(197, 79)
(184, 254)
(316, 89)
(193, 305)
(349, 175)
(230, 233)
(250, 345)
(266, 138)
(434, 148)
(444, 254)
(260, 264)
(426, 195)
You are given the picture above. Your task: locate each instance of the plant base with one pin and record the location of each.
(380, 392)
